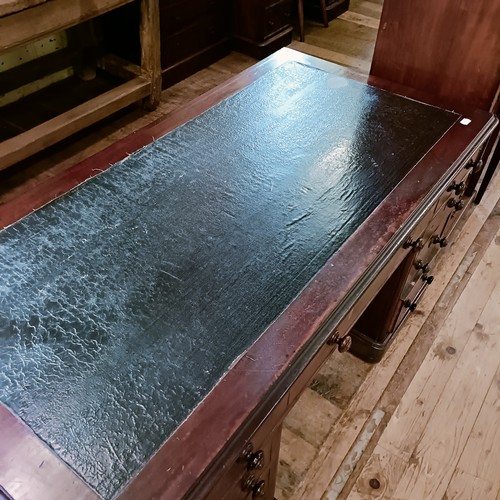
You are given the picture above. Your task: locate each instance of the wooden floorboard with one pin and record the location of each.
(439, 447)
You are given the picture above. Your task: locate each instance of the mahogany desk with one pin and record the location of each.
(158, 321)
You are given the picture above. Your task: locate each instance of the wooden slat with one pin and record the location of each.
(481, 458)
(12, 6)
(354, 63)
(119, 67)
(60, 127)
(465, 486)
(54, 15)
(361, 19)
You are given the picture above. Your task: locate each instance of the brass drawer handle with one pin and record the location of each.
(458, 204)
(254, 460)
(344, 343)
(417, 244)
(256, 487)
(424, 266)
(442, 242)
(458, 188)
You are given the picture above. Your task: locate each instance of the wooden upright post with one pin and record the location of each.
(150, 49)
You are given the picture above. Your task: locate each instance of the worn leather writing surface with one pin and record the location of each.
(123, 302)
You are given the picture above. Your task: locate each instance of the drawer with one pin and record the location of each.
(177, 15)
(277, 16)
(456, 188)
(431, 246)
(191, 40)
(412, 297)
(265, 441)
(460, 204)
(255, 469)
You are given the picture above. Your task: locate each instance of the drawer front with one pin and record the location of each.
(277, 16)
(412, 298)
(435, 237)
(456, 188)
(254, 471)
(424, 257)
(189, 41)
(178, 15)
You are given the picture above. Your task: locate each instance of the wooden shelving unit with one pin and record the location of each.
(20, 25)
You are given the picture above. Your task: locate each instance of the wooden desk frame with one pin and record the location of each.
(54, 15)
(262, 386)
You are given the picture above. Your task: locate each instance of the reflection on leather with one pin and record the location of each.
(123, 302)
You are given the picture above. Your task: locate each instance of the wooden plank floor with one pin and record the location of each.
(443, 438)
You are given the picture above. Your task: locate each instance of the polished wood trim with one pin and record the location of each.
(29, 469)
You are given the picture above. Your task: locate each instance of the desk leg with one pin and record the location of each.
(150, 49)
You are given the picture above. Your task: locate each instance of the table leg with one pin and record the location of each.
(324, 13)
(301, 19)
(150, 49)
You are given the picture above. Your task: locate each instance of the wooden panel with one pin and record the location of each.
(52, 131)
(452, 51)
(54, 16)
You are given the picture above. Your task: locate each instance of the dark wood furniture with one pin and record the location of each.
(18, 27)
(455, 59)
(260, 27)
(194, 35)
(242, 185)
(315, 10)
(300, 9)
(400, 296)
